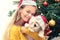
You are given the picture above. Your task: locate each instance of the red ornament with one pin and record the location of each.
(45, 3)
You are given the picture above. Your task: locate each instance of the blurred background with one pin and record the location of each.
(49, 8)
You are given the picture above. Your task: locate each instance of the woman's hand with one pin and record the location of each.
(23, 29)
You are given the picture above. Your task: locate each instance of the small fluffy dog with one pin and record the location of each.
(37, 25)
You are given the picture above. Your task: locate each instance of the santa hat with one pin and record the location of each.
(27, 2)
(42, 21)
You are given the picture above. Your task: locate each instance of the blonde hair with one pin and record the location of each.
(12, 20)
(13, 17)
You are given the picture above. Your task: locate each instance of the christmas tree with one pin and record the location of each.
(51, 10)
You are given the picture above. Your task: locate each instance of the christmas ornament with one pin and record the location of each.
(45, 3)
(57, 0)
(51, 22)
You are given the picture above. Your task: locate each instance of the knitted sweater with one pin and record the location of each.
(16, 34)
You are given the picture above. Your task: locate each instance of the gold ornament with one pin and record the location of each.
(57, 0)
(52, 22)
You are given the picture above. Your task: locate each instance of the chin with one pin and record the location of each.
(26, 21)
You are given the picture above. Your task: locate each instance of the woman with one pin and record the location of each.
(25, 11)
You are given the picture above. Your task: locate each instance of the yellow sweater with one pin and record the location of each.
(15, 34)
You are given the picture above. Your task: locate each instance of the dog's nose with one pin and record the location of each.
(34, 25)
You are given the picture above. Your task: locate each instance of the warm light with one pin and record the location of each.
(5, 7)
(57, 0)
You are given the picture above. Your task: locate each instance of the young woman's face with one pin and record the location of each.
(27, 12)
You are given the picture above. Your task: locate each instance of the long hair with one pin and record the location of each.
(6, 34)
(12, 21)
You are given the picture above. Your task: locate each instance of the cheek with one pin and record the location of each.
(24, 17)
(23, 14)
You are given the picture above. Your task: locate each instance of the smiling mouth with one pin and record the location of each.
(27, 17)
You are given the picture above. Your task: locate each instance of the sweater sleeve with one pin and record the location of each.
(34, 35)
(14, 33)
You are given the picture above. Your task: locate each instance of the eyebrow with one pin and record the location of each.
(30, 11)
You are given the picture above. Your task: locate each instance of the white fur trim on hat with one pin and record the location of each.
(41, 22)
(28, 2)
(42, 25)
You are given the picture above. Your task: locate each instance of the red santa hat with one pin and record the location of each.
(42, 21)
(27, 2)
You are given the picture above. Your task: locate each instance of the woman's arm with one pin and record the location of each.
(14, 33)
(25, 30)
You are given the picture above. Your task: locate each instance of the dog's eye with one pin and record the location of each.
(34, 25)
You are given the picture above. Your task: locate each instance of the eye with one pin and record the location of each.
(33, 14)
(28, 11)
(35, 25)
